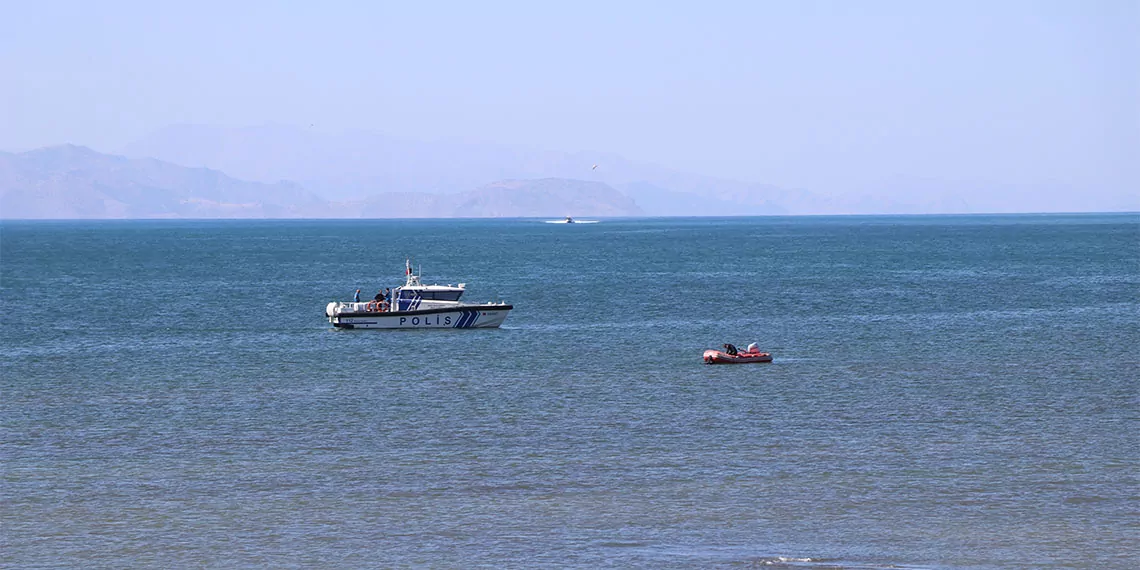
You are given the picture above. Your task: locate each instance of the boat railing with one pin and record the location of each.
(358, 306)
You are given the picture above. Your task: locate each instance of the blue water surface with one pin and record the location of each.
(948, 392)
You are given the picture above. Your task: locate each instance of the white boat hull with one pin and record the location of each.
(343, 315)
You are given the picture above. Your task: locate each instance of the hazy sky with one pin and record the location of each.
(808, 94)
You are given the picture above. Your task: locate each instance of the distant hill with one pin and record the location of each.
(354, 165)
(545, 197)
(71, 182)
(548, 197)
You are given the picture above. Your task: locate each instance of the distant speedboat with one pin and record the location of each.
(571, 220)
(418, 306)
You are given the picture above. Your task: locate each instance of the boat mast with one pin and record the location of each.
(411, 278)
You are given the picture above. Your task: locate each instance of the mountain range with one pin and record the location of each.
(357, 164)
(193, 171)
(73, 182)
(76, 182)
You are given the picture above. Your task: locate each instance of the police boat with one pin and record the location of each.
(418, 306)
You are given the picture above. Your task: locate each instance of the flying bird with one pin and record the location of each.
(595, 167)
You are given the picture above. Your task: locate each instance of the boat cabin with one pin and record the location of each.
(413, 294)
(408, 298)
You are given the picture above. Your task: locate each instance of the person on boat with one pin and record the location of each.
(753, 348)
(730, 350)
(356, 297)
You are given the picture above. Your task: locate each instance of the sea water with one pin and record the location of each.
(947, 392)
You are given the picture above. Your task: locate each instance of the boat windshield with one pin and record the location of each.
(440, 295)
(409, 298)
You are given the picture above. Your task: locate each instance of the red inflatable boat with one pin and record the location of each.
(721, 357)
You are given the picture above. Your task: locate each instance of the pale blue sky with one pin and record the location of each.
(820, 95)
